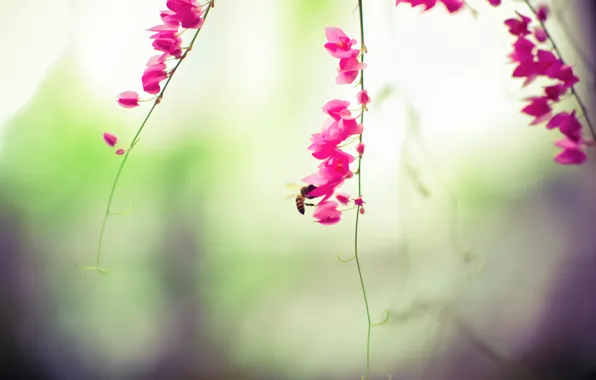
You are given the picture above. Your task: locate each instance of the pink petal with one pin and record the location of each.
(128, 99)
(110, 139)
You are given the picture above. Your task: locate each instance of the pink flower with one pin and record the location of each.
(187, 13)
(340, 45)
(128, 99)
(157, 59)
(348, 70)
(120, 151)
(542, 12)
(152, 76)
(539, 108)
(327, 213)
(494, 3)
(168, 42)
(361, 211)
(540, 34)
(337, 109)
(568, 124)
(518, 27)
(451, 5)
(336, 166)
(110, 139)
(523, 50)
(343, 198)
(359, 202)
(555, 92)
(572, 153)
(360, 149)
(566, 75)
(363, 98)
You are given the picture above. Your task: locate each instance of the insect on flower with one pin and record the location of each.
(302, 196)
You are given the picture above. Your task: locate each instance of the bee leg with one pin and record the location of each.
(309, 204)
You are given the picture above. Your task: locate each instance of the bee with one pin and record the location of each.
(302, 196)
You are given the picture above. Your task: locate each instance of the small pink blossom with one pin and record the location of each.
(359, 202)
(120, 151)
(348, 70)
(567, 75)
(494, 3)
(128, 99)
(360, 149)
(187, 13)
(327, 213)
(110, 139)
(539, 108)
(568, 125)
(168, 42)
(337, 109)
(361, 211)
(451, 5)
(555, 92)
(540, 34)
(152, 76)
(542, 12)
(339, 45)
(343, 198)
(523, 50)
(519, 27)
(572, 153)
(363, 98)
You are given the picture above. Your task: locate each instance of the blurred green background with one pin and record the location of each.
(213, 273)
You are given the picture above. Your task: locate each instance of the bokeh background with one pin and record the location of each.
(481, 249)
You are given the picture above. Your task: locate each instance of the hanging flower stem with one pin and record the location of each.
(135, 139)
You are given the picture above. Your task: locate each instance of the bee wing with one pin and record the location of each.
(293, 186)
(291, 196)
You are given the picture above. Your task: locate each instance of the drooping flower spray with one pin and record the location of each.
(180, 16)
(340, 130)
(537, 56)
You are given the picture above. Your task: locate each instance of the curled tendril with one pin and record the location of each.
(383, 321)
(345, 261)
(121, 213)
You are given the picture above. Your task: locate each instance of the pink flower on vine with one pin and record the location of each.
(343, 198)
(519, 26)
(184, 12)
(110, 139)
(363, 98)
(337, 109)
(348, 70)
(572, 153)
(327, 213)
(339, 45)
(539, 108)
(542, 12)
(128, 99)
(451, 5)
(152, 76)
(360, 149)
(568, 125)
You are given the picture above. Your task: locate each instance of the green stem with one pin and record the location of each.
(363, 48)
(135, 140)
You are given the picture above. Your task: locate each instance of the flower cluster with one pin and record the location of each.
(340, 126)
(534, 60)
(451, 5)
(180, 16)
